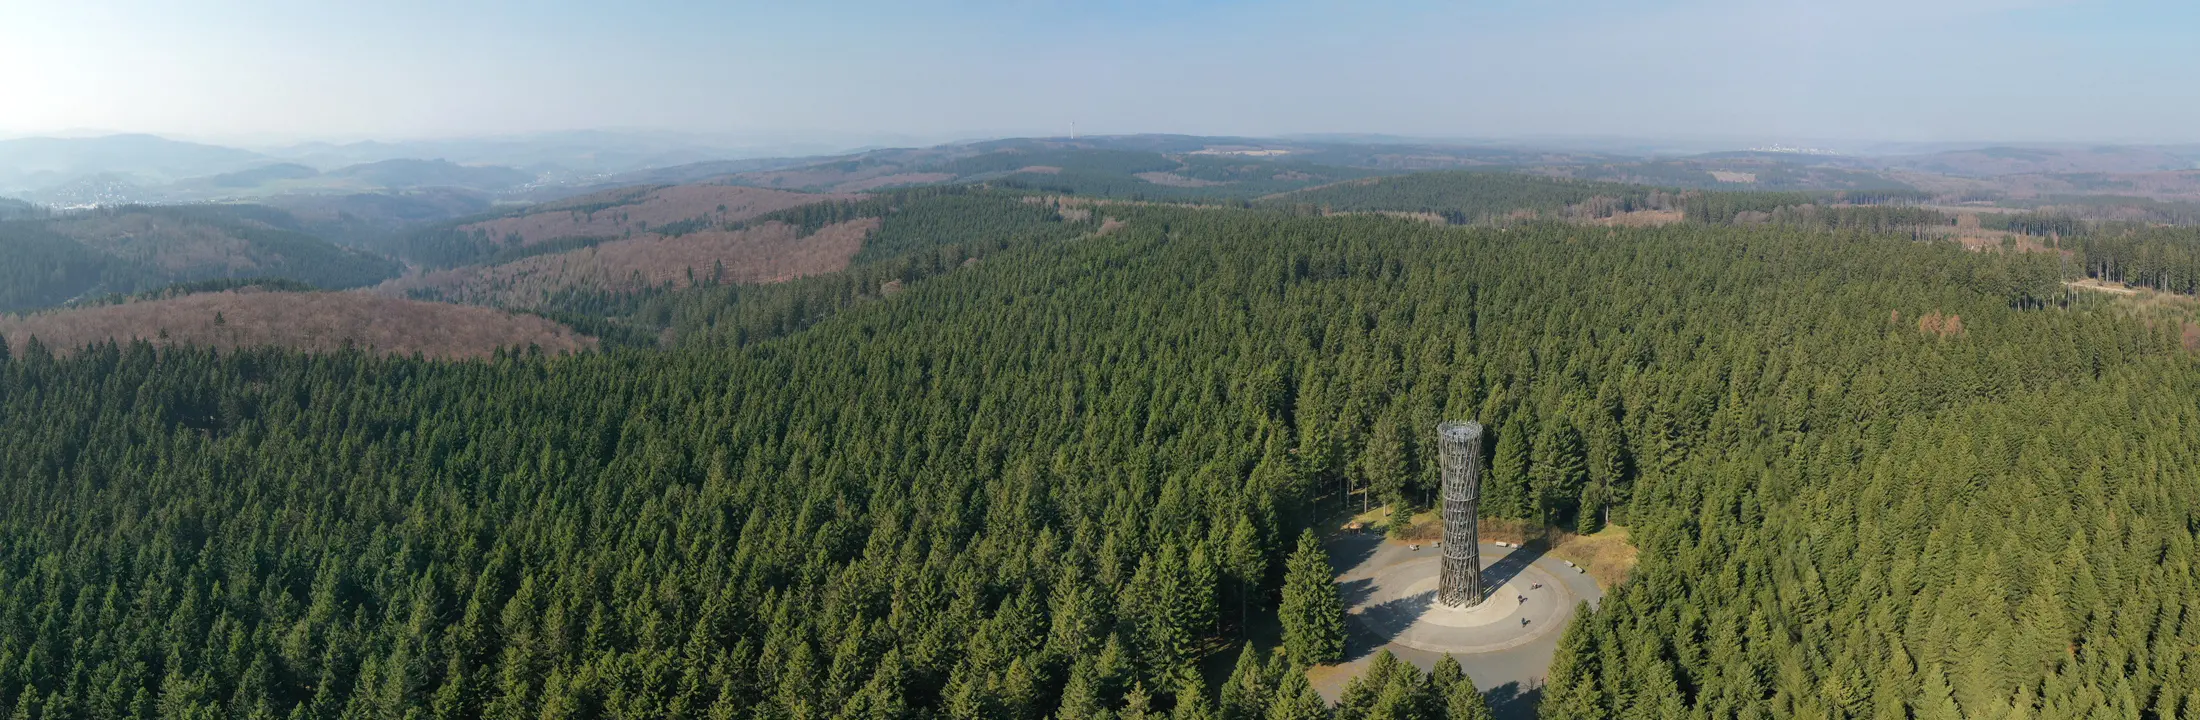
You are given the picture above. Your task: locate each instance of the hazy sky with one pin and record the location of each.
(1761, 69)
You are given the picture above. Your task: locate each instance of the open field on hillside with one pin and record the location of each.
(1174, 180)
(819, 176)
(892, 180)
(619, 212)
(305, 321)
(2160, 185)
(1641, 218)
(163, 242)
(2113, 288)
(771, 252)
(2008, 161)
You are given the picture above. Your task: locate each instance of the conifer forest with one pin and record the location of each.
(1030, 458)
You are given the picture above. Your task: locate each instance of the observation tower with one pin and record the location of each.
(1460, 582)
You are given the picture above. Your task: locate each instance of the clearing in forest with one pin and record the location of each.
(766, 253)
(311, 321)
(618, 213)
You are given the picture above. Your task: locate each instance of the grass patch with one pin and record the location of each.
(1608, 555)
(1422, 527)
(1518, 532)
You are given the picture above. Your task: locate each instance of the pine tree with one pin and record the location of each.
(1463, 701)
(1019, 690)
(1159, 605)
(1384, 464)
(1362, 691)
(1191, 698)
(1935, 700)
(1401, 698)
(1446, 675)
(1312, 614)
(1245, 695)
(1245, 565)
(1137, 705)
(881, 697)
(1559, 472)
(1075, 614)
(1456, 695)
(1296, 699)
(1081, 697)
(1196, 605)
(1572, 691)
(1607, 466)
(1505, 485)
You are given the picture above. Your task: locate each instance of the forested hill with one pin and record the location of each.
(13, 209)
(53, 259)
(1870, 477)
(1478, 197)
(1487, 197)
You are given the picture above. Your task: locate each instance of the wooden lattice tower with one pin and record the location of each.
(1460, 445)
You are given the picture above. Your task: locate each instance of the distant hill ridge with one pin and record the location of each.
(53, 260)
(27, 163)
(408, 173)
(612, 214)
(310, 321)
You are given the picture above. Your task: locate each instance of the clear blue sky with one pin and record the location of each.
(1760, 69)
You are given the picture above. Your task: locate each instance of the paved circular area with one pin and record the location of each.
(1402, 608)
(1386, 577)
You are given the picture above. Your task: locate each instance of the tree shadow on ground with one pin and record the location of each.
(1512, 702)
(1503, 571)
(1381, 623)
(1354, 592)
(1348, 549)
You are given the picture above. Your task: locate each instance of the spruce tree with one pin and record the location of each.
(1312, 614)
(1296, 699)
(1138, 705)
(1401, 698)
(1446, 674)
(1191, 697)
(1456, 695)
(1571, 691)
(1245, 693)
(1384, 465)
(1245, 565)
(1559, 472)
(1505, 483)
(1361, 692)
(1081, 699)
(1463, 701)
